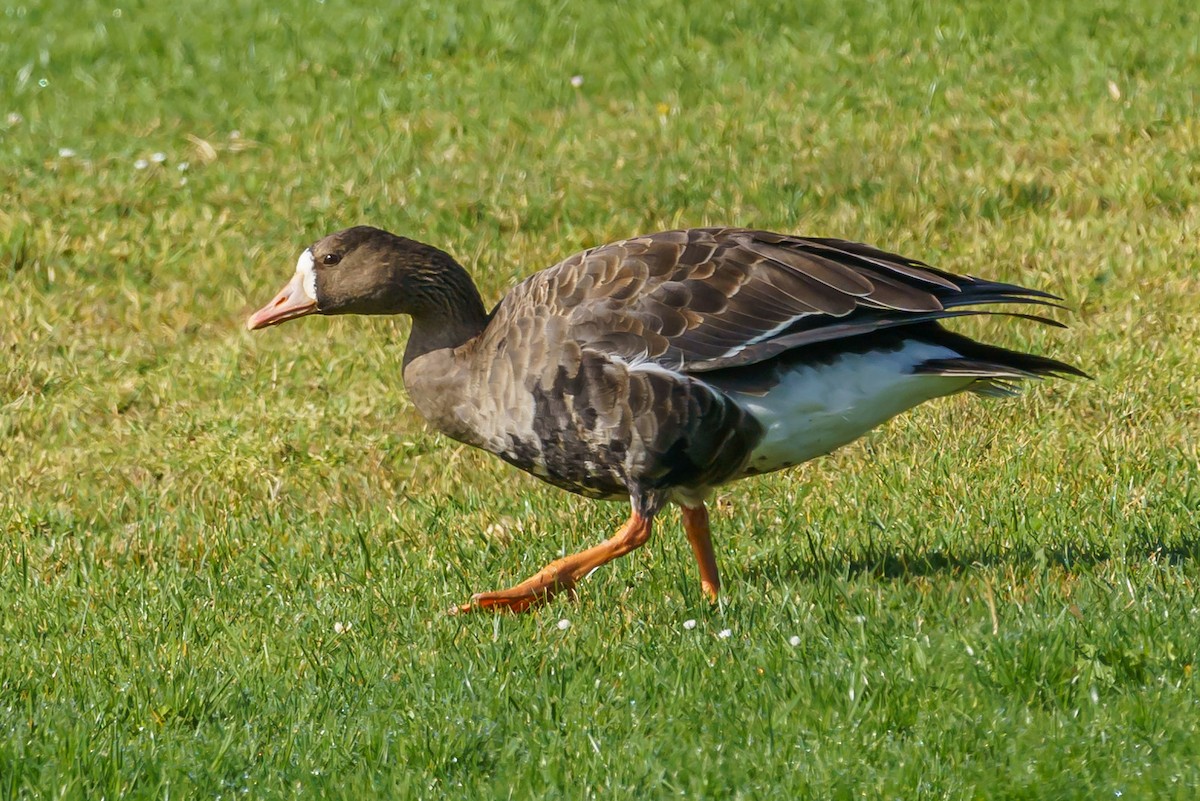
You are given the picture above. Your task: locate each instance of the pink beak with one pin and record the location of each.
(290, 303)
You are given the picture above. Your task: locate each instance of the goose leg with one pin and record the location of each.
(695, 523)
(561, 574)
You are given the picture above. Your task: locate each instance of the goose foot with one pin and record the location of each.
(561, 575)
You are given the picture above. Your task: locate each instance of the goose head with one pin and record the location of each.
(360, 270)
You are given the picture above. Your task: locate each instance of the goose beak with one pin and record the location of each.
(292, 302)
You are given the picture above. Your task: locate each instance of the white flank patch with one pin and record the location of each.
(304, 266)
(817, 408)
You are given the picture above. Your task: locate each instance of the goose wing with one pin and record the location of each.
(709, 298)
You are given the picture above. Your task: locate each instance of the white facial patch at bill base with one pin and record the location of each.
(304, 267)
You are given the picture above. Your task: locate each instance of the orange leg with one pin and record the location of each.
(695, 523)
(561, 574)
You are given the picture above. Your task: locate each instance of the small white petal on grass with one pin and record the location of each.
(725, 634)
(341, 628)
(158, 158)
(14, 118)
(689, 624)
(66, 153)
(794, 640)
(182, 166)
(1114, 91)
(577, 81)
(141, 164)
(564, 624)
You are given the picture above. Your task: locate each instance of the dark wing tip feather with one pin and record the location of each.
(1028, 366)
(881, 259)
(973, 284)
(979, 358)
(846, 329)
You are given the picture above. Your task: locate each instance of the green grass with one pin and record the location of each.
(224, 557)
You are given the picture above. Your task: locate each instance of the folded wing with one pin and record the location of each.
(711, 298)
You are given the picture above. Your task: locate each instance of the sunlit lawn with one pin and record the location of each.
(225, 557)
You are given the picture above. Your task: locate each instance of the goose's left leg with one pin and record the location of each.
(562, 574)
(695, 523)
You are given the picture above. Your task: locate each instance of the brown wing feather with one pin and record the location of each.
(707, 298)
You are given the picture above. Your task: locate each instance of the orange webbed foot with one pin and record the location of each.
(561, 575)
(521, 598)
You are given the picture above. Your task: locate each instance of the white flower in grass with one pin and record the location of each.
(725, 634)
(158, 158)
(794, 640)
(341, 628)
(141, 164)
(66, 153)
(689, 624)
(564, 624)
(577, 81)
(182, 166)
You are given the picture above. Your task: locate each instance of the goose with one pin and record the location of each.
(660, 367)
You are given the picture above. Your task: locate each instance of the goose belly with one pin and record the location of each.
(815, 408)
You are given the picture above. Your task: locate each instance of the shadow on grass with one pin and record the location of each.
(879, 561)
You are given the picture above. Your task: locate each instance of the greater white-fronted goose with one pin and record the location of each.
(660, 367)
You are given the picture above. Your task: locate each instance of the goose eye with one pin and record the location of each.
(330, 259)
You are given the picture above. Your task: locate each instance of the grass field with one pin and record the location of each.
(224, 557)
